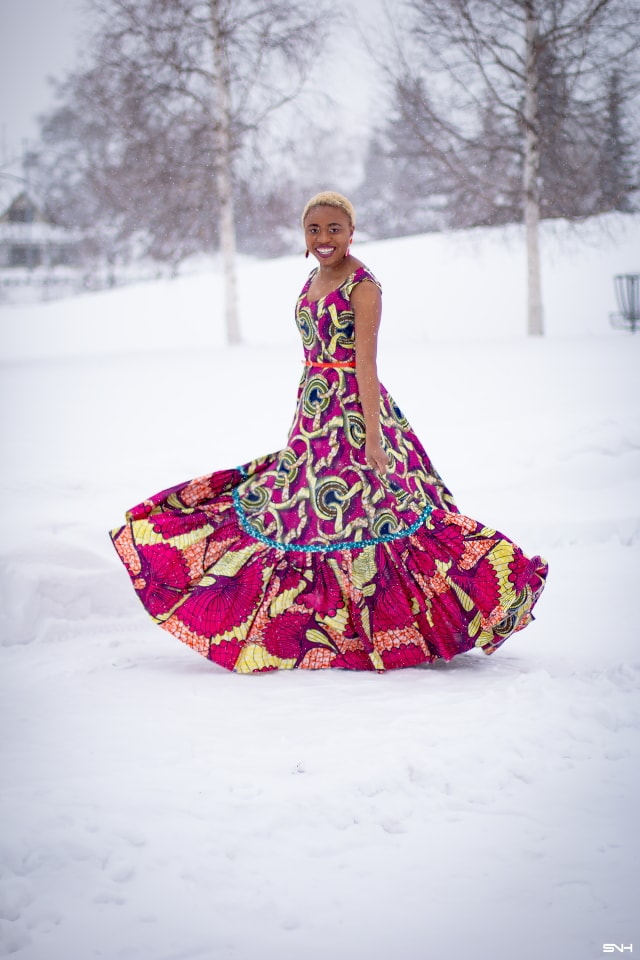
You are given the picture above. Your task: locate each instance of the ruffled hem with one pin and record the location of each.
(449, 585)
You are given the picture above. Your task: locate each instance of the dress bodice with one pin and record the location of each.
(318, 492)
(327, 325)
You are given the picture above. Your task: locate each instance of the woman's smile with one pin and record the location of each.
(328, 233)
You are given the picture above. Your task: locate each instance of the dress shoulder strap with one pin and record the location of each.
(362, 273)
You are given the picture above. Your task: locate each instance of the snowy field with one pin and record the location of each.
(156, 807)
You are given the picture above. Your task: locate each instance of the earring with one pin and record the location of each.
(306, 254)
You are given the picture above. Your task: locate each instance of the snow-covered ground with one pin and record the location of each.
(155, 807)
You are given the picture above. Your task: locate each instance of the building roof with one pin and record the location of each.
(23, 209)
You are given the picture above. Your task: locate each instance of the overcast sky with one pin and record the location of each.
(41, 38)
(38, 38)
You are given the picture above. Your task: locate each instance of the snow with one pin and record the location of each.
(156, 807)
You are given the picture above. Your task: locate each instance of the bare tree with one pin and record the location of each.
(422, 174)
(475, 55)
(180, 91)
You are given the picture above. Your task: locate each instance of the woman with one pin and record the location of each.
(344, 549)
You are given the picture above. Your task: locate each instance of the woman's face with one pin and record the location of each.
(328, 232)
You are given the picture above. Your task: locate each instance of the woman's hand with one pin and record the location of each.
(376, 458)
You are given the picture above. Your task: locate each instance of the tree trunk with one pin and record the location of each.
(531, 172)
(224, 176)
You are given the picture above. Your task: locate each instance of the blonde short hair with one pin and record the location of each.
(328, 198)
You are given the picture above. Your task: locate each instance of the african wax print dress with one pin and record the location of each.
(308, 558)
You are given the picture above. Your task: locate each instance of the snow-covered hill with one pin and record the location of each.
(437, 287)
(155, 807)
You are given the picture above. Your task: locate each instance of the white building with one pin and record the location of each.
(29, 240)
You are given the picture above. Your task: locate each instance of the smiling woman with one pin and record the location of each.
(344, 549)
(328, 221)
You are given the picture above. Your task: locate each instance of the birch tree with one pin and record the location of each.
(474, 53)
(182, 90)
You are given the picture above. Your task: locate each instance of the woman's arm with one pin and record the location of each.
(367, 307)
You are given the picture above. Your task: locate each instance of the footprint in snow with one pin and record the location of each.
(108, 897)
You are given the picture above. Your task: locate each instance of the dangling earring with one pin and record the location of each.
(306, 254)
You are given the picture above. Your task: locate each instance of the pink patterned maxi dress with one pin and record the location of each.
(308, 558)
